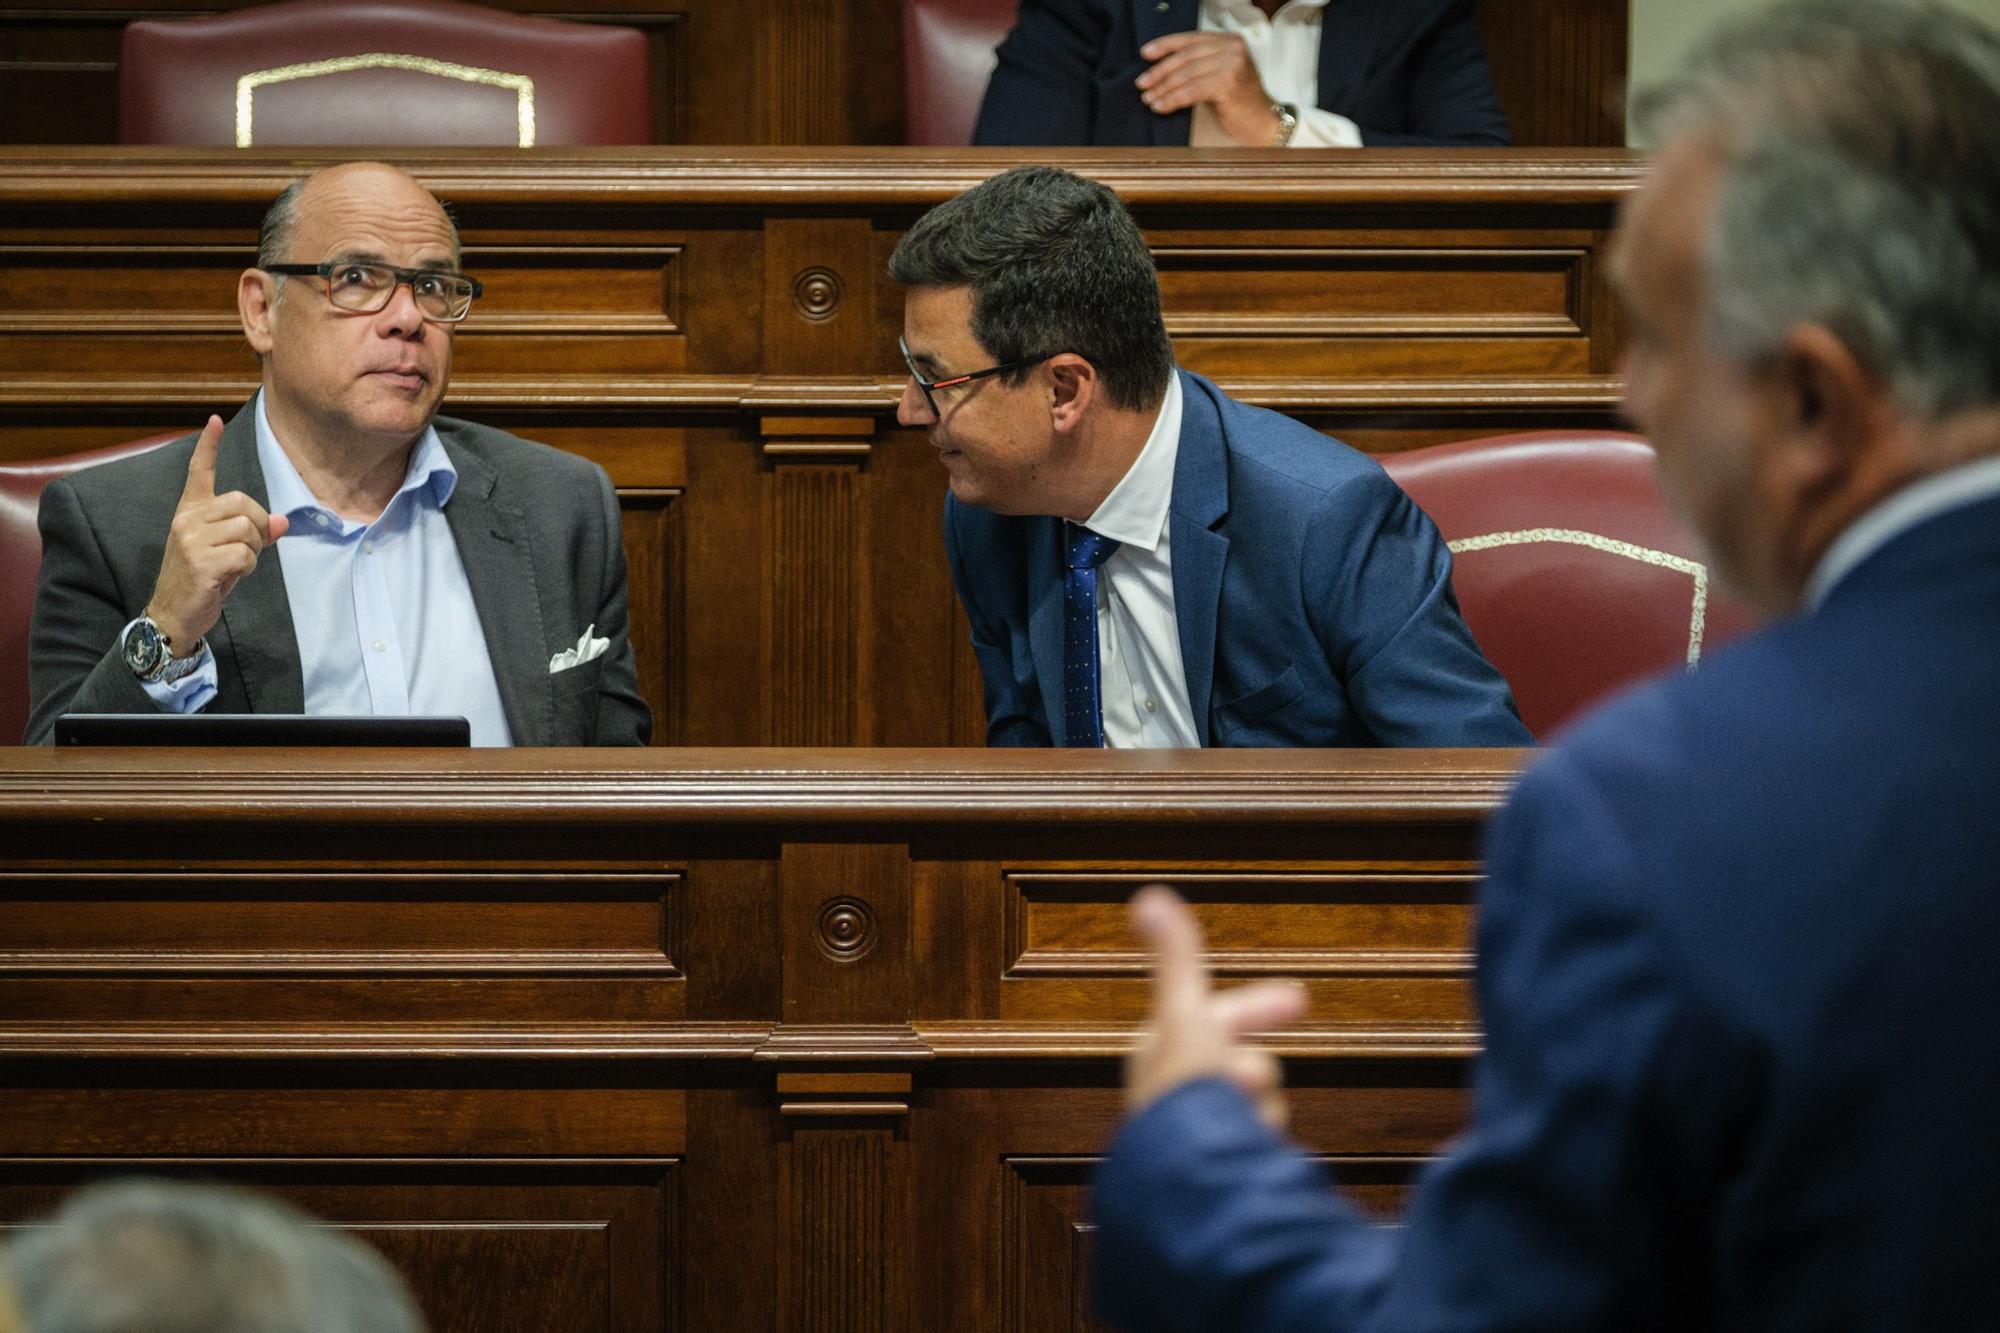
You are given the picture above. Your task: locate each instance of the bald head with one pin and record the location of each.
(376, 181)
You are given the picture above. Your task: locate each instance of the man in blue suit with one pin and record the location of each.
(1144, 561)
(1743, 1023)
(1254, 73)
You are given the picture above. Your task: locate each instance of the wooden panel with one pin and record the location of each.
(1044, 1205)
(1072, 925)
(702, 1039)
(1559, 67)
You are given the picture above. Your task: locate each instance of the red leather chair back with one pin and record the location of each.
(947, 58)
(381, 72)
(21, 563)
(1572, 571)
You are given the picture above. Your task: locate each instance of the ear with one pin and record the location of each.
(1828, 409)
(256, 302)
(1073, 387)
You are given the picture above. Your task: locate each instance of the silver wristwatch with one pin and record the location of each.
(152, 659)
(1288, 123)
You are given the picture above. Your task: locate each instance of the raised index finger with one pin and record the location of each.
(201, 463)
(1179, 972)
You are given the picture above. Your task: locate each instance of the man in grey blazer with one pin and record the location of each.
(338, 547)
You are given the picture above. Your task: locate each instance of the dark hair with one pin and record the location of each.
(1055, 264)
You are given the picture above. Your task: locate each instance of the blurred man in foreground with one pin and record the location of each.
(155, 1256)
(1743, 1026)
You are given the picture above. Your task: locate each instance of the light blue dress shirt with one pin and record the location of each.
(383, 612)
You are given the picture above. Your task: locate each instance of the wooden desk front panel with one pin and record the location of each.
(718, 331)
(703, 1039)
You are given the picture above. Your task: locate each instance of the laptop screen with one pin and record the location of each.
(257, 729)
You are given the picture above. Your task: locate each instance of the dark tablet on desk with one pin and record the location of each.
(262, 729)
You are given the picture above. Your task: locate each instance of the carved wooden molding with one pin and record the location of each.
(246, 180)
(71, 789)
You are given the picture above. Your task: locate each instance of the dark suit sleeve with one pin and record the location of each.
(1043, 92)
(1451, 98)
(73, 662)
(1010, 714)
(1378, 595)
(622, 715)
(1560, 1208)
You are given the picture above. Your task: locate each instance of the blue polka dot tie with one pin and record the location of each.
(1083, 718)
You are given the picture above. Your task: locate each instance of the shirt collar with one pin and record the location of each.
(1917, 503)
(430, 468)
(1244, 11)
(1135, 513)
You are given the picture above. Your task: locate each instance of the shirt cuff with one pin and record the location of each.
(190, 693)
(1320, 128)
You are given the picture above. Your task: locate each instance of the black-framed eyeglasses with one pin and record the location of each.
(952, 381)
(362, 287)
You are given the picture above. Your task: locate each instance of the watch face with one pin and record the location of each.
(145, 650)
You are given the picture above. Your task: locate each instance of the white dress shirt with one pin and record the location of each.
(1917, 503)
(1141, 684)
(1285, 50)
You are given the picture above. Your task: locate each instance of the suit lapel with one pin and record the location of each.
(1348, 32)
(1201, 501)
(256, 631)
(1045, 618)
(1155, 18)
(493, 545)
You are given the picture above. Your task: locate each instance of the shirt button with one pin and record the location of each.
(1152, 705)
(321, 519)
(368, 547)
(378, 645)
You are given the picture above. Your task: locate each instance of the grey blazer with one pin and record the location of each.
(538, 530)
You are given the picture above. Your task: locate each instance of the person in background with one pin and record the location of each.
(157, 1256)
(1243, 73)
(1742, 1060)
(339, 548)
(1146, 561)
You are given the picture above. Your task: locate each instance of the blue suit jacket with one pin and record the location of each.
(1407, 72)
(1313, 599)
(1742, 1013)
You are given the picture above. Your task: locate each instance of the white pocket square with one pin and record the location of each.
(587, 650)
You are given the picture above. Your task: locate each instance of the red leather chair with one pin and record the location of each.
(21, 562)
(947, 59)
(381, 72)
(1572, 571)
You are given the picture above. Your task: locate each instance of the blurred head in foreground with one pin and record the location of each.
(154, 1256)
(1812, 275)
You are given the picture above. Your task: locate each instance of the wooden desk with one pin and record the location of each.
(717, 328)
(703, 1039)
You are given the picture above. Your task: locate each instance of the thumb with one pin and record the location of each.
(276, 526)
(201, 463)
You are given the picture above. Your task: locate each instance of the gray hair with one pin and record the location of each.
(1055, 264)
(155, 1256)
(1860, 148)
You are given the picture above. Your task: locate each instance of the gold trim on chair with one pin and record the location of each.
(522, 86)
(1694, 569)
